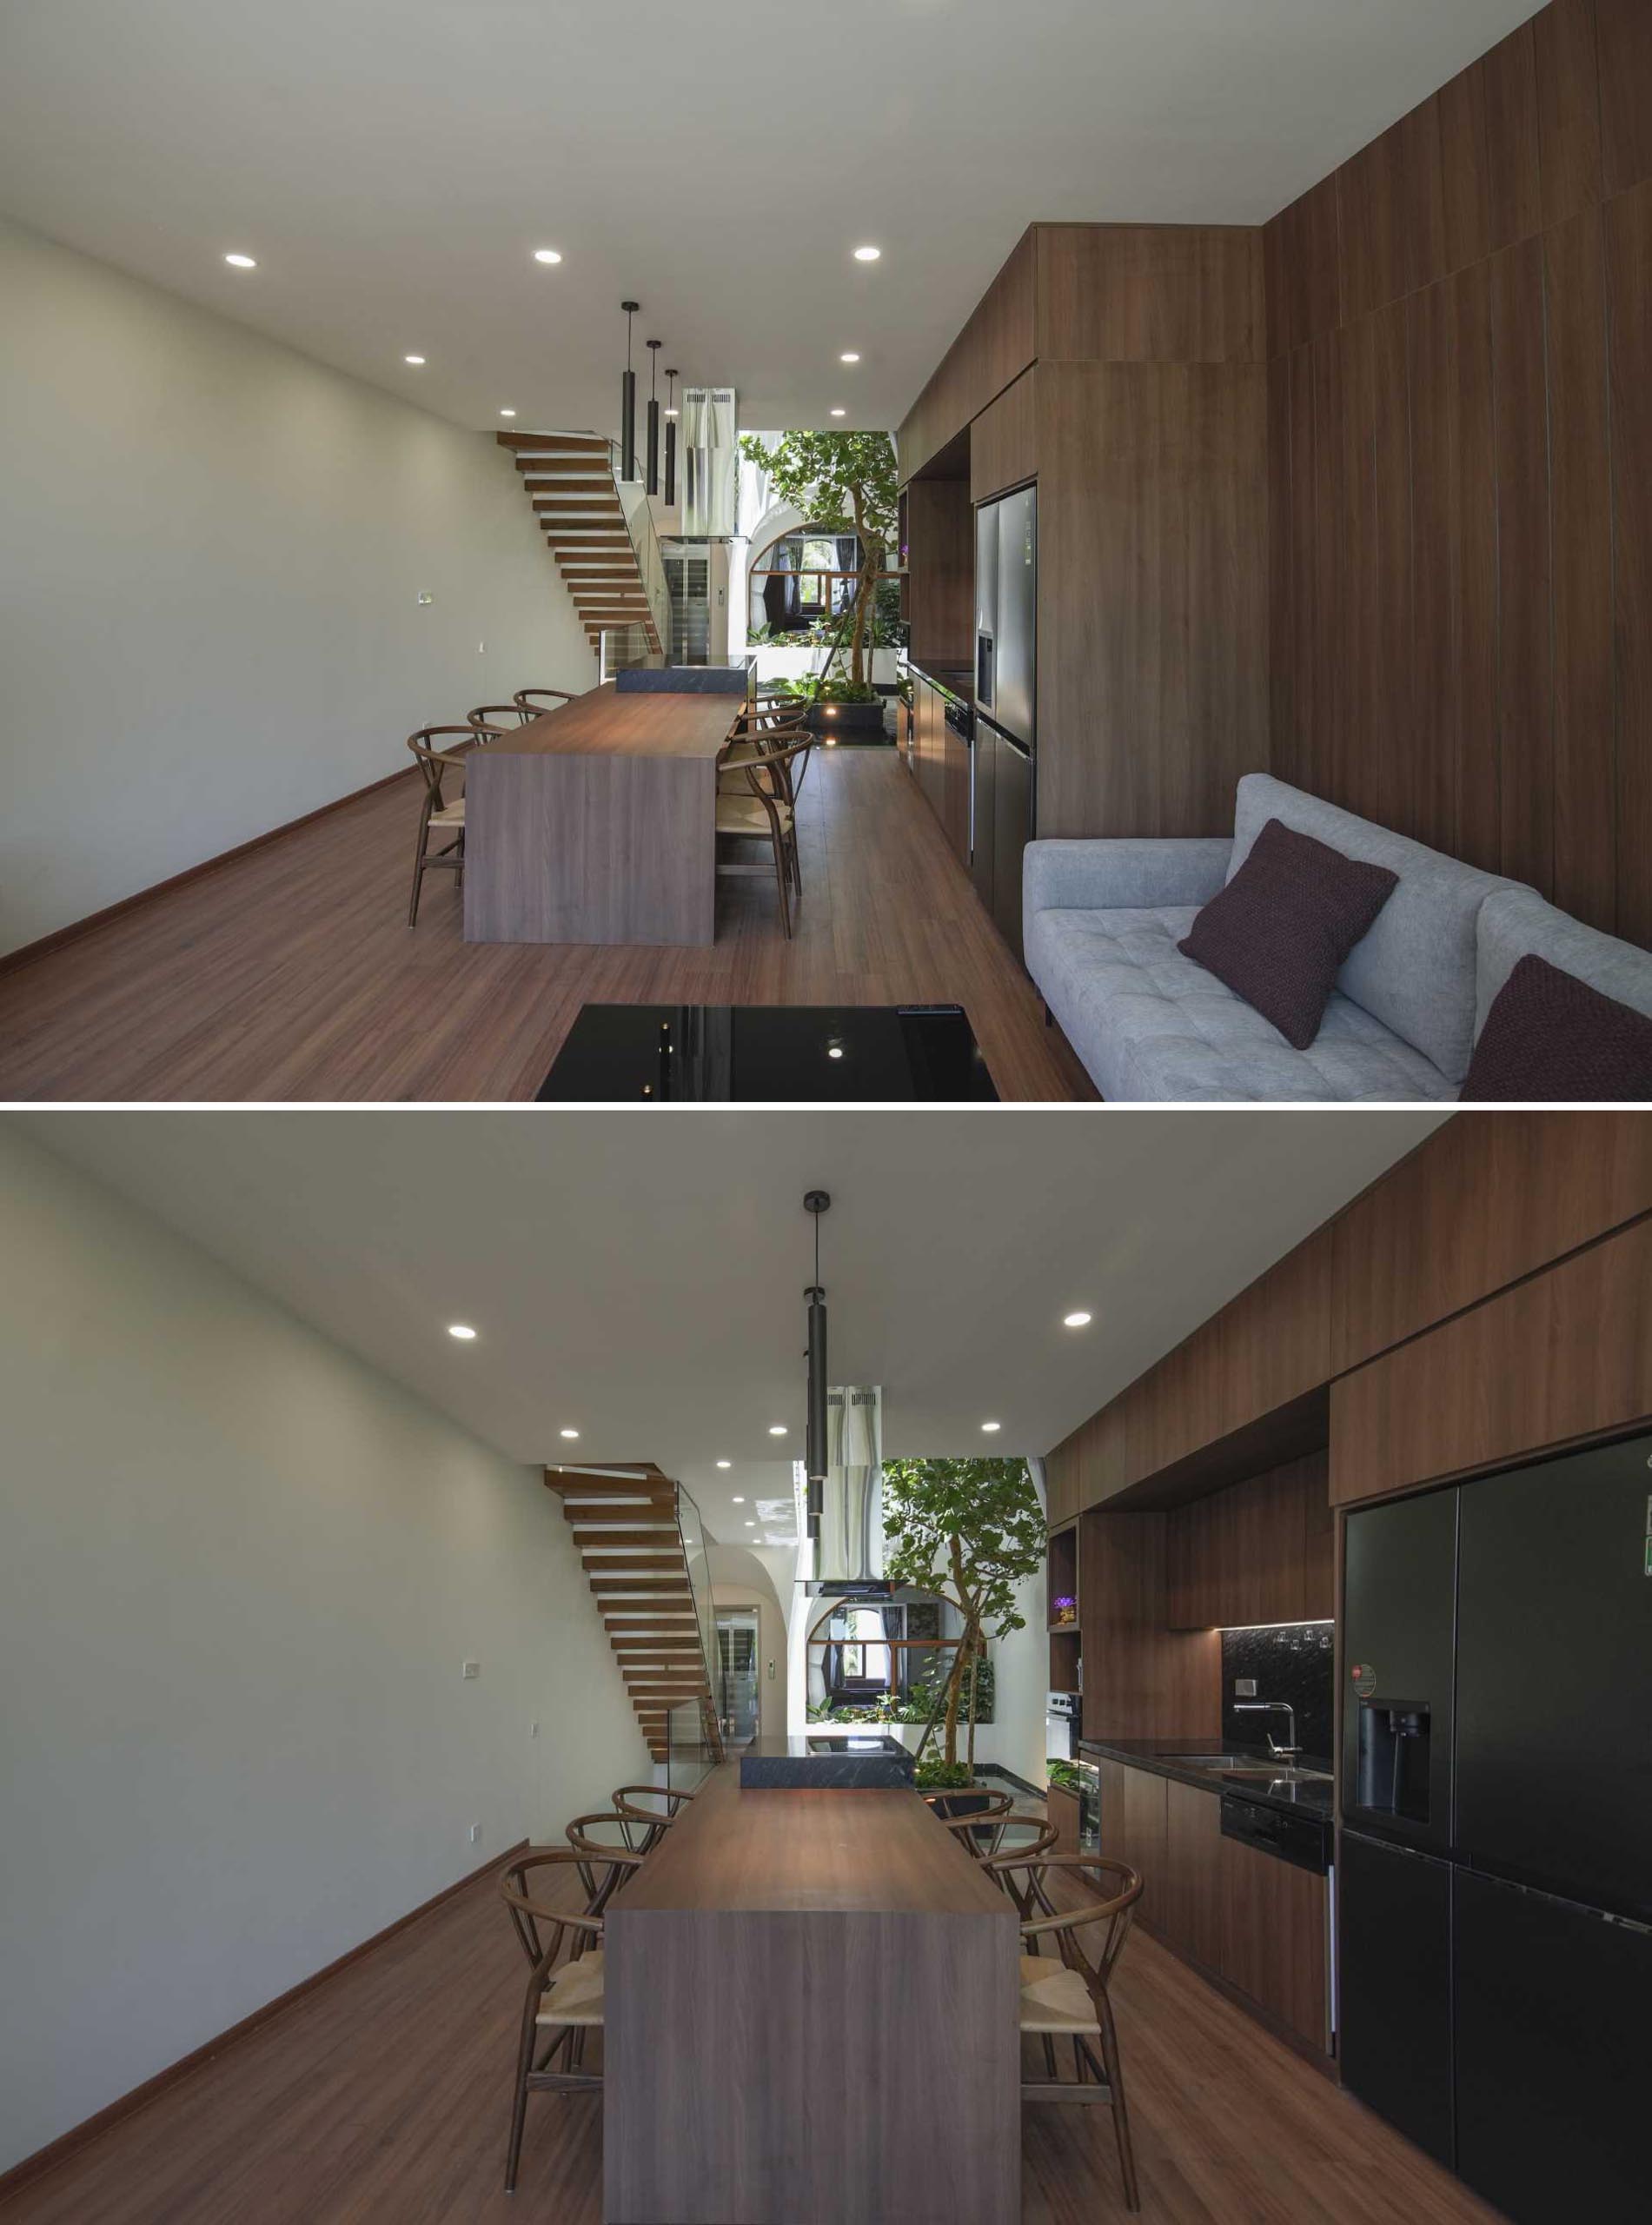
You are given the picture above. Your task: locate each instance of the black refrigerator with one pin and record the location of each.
(1495, 1886)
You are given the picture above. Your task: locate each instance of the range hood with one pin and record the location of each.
(849, 1545)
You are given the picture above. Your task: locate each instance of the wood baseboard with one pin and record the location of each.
(80, 2135)
(77, 928)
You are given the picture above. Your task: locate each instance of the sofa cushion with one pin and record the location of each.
(1152, 1026)
(1280, 931)
(1552, 1039)
(1415, 971)
(1517, 923)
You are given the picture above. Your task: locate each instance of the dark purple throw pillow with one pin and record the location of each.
(1278, 933)
(1550, 1037)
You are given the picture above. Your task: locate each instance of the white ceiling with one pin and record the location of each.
(393, 163)
(640, 1276)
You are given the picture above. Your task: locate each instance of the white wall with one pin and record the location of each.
(239, 1574)
(211, 552)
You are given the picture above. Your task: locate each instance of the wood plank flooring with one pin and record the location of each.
(383, 2098)
(291, 973)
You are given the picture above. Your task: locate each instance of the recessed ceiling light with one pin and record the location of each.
(724, 1464)
(413, 358)
(462, 1330)
(850, 358)
(568, 1432)
(751, 1525)
(867, 254)
(777, 1429)
(507, 413)
(547, 254)
(1075, 1321)
(740, 1498)
(242, 262)
(991, 1427)
(838, 413)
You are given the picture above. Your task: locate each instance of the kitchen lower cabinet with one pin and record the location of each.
(1145, 1838)
(1190, 1897)
(1061, 1807)
(1274, 1921)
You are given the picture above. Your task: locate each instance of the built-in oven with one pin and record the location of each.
(1060, 1725)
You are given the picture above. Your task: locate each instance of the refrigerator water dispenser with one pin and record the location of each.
(1395, 1752)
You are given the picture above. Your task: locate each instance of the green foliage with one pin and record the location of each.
(970, 1531)
(809, 690)
(934, 1775)
(841, 482)
(1063, 1773)
(926, 1686)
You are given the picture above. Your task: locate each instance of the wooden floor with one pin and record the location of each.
(383, 2098)
(290, 973)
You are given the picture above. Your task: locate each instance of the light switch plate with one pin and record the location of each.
(1244, 1688)
(471, 1669)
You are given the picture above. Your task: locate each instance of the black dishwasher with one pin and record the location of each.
(1294, 1836)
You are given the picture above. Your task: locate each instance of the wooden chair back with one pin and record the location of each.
(654, 1807)
(1107, 1920)
(530, 701)
(435, 763)
(539, 1928)
(491, 718)
(607, 1849)
(1010, 1848)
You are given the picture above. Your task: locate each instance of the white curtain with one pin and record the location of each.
(710, 464)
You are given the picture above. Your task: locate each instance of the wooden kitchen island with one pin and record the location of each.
(811, 2002)
(595, 823)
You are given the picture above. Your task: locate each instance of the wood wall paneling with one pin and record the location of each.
(1149, 293)
(1451, 485)
(1562, 1356)
(1629, 260)
(1152, 605)
(1142, 1680)
(1004, 440)
(1489, 1197)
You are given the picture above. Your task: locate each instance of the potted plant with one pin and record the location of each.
(841, 482)
(969, 1532)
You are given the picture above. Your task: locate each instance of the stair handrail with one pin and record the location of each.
(705, 1621)
(644, 544)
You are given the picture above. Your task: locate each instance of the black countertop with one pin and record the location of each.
(853, 1760)
(957, 680)
(1168, 1757)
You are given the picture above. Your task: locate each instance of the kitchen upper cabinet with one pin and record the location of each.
(1189, 1911)
(1004, 441)
(940, 574)
(993, 350)
(1489, 1198)
(1274, 1922)
(1565, 1354)
(1259, 1552)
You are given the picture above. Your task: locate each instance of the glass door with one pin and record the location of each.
(737, 1699)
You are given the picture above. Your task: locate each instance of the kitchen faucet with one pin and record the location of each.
(1273, 1707)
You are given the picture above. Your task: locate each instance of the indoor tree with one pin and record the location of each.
(969, 1532)
(841, 482)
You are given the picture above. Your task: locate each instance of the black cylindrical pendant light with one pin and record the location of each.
(653, 418)
(628, 403)
(815, 1459)
(671, 440)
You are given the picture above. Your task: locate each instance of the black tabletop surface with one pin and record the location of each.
(730, 1054)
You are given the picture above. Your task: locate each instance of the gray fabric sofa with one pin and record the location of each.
(1101, 921)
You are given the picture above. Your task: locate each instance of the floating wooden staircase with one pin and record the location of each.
(631, 1547)
(570, 480)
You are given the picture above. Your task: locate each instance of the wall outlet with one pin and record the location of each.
(475, 1833)
(470, 1670)
(1244, 1688)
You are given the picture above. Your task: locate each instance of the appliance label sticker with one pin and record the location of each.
(1364, 1679)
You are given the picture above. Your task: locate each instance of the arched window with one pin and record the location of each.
(803, 578)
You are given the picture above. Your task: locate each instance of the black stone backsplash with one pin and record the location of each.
(1292, 1662)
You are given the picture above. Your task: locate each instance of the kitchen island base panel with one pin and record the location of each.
(849, 2070)
(589, 849)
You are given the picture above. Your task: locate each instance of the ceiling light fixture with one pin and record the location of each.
(751, 1525)
(567, 1432)
(840, 412)
(545, 255)
(724, 1464)
(507, 413)
(850, 358)
(462, 1330)
(777, 1429)
(1075, 1321)
(739, 1497)
(816, 1202)
(867, 254)
(654, 417)
(414, 360)
(628, 402)
(242, 262)
(992, 1428)
(671, 440)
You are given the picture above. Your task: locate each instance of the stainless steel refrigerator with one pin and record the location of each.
(1005, 758)
(1495, 1893)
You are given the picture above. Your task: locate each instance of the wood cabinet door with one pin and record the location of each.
(1145, 1838)
(955, 790)
(1110, 1777)
(1190, 1901)
(1062, 1809)
(1273, 1921)
(1565, 1355)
